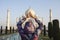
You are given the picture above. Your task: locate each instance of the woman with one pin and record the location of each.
(29, 31)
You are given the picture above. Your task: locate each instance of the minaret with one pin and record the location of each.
(17, 19)
(50, 15)
(8, 18)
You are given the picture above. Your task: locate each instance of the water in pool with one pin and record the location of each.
(15, 36)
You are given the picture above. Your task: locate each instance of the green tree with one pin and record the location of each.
(44, 30)
(1, 30)
(6, 30)
(10, 29)
(56, 29)
(13, 29)
(50, 29)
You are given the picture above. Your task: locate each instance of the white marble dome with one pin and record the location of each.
(30, 10)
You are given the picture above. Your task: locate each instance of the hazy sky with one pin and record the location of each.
(18, 8)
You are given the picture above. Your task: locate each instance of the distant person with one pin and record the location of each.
(29, 31)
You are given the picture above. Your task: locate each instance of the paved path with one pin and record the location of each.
(14, 36)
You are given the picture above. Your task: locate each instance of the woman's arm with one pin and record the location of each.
(39, 29)
(21, 30)
(19, 25)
